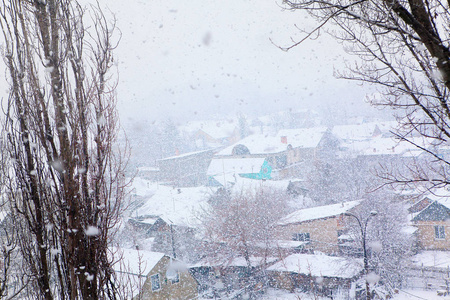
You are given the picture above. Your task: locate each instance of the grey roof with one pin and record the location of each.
(434, 212)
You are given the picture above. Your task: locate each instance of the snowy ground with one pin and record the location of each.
(437, 259)
(273, 294)
(419, 294)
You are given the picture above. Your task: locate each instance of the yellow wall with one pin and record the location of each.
(186, 288)
(426, 235)
(322, 232)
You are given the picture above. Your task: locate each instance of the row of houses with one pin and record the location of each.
(288, 153)
(303, 234)
(281, 161)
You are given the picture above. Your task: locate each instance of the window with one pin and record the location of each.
(303, 237)
(176, 278)
(439, 232)
(156, 285)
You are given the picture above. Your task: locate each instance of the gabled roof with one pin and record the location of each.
(436, 211)
(303, 137)
(186, 155)
(439, 209)
(220, 166)
(318, 266)
(258, 144)
(318, 212)
(271, 144)
(139, 262)
(364, 131)
(178, 206)
(134, 266)
(255, 261)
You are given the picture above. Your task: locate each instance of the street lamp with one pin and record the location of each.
(363, 227)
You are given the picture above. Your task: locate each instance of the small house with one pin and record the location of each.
(433, 225)
(150, 275)
(224, 275)
(320, 226)
(318, 273)
(227, 171)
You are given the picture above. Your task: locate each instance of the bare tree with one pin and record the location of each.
(242, 226)
(65, 184)
(403, 47)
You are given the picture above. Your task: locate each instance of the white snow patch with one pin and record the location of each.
(92, 231)
(318, 265)
(376, 246)
(318, 212)
(372, 278)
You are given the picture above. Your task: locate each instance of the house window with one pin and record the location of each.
(439, 232)
(302, 237)
(176, 278)
(156, 285)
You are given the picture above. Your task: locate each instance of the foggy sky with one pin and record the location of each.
(197, 59)
(194, 59)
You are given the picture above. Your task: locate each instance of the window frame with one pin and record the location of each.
(152, 282)
(301, 237)
(439, 232)
(177, 280)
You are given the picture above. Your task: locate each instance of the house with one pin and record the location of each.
(224, 275)
(319, 273)
(188, 169)
(152, 275)
(321, 226)
(171, 216)
(289, 152)
(226, 171)
(148, 225)
(433, 223)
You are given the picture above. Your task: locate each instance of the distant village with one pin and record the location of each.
(283, 206)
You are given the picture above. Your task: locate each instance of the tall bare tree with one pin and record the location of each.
(403, 46)
(65, 183)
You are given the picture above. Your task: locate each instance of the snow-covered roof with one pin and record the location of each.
(220, 166)
(234, 262)
(359, 132)
(303, 137)
(139, 262)
(258, 144)
(178, 206)
(148, 221)
(318, 266)
(442, 196)
(185, 155)
(268, 144)
(142, 187)
(382, 146)
(409, 229)
(432, 258)
(282, 244)
(318, 212)
(247, 184)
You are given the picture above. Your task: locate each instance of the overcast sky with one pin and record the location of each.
(200, 58)
(193, 59)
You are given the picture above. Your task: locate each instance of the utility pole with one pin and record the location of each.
(363, 231)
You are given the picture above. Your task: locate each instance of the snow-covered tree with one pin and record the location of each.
(242, 226)
(403, 48)
(64, 184)
(387, 241)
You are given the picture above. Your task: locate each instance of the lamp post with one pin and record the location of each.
(363, 230)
